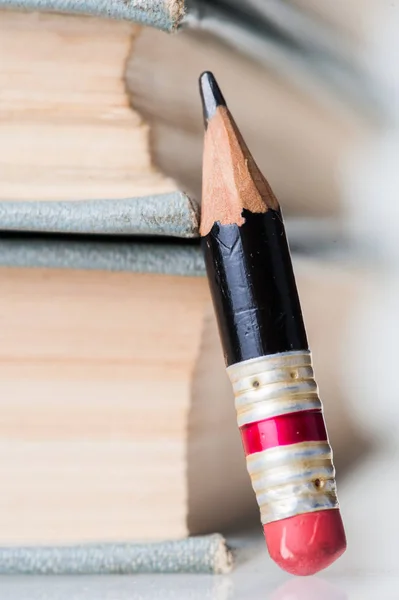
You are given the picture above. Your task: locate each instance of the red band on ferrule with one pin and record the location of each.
(304, 426)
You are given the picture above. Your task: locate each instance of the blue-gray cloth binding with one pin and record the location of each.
(201, 554)
(163, 14)
(152, 234)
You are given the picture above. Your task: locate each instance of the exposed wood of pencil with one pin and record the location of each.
(232, 180)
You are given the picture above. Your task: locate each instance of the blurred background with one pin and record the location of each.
(314, 88)
(315, 91)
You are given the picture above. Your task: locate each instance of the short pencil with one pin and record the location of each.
(266, 350)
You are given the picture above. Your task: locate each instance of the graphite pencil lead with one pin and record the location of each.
(211, 95)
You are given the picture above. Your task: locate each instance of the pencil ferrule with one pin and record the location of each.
(273, 385)
(292, 480)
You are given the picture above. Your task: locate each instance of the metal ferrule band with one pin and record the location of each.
(292, 480)
(273, 385)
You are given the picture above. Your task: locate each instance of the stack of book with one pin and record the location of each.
(117, 418)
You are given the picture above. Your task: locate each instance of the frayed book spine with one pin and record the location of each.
(202, 554)
(162, 14)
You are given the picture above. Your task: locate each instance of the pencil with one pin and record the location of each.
(266, 350)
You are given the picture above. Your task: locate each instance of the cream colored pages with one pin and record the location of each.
(67, 130)
(95, 391)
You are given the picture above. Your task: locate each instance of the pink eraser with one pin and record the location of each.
(307, 543)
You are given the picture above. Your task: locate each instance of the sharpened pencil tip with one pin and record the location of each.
(211, 95)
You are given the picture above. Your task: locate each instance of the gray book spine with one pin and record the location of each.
(202, 554)
(171, 214)
(163, 14)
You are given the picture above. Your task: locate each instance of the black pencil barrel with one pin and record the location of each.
(253, 288)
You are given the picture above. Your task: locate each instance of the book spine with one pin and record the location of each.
(162, 14)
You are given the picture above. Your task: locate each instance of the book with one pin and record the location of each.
(81, 103)
(68, 130)
(98, 394)
(116, 423)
